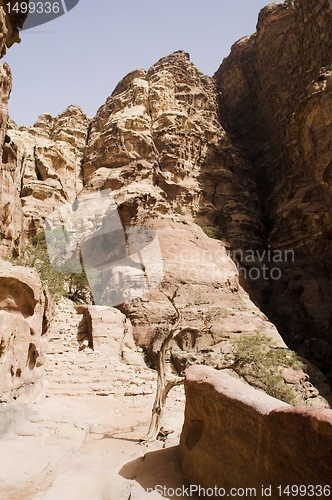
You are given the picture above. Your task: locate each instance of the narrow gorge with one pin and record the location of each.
(190, 208)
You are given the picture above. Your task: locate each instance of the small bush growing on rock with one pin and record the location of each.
(60, 284)
(260, 363)
(209, 231)
(179, 210)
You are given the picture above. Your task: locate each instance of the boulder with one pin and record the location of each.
(25, 315)
(235, 436)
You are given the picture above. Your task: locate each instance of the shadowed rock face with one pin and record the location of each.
(276, 102)
(235, 436)
(158, 143)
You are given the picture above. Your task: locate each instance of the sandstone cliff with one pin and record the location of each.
(176, 148)
(275, 101)
(25, 314)
(212, 166)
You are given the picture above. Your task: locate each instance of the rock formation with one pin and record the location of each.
(9, 198)
(235, 436)
(45, 162)
(25, 313)
(215, 167)
(158, 143)
(276, 103)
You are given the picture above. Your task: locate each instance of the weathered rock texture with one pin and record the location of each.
(177, 150)
(275, 92)
(107, 331)
(25, 313)
(9, 24)
(235, 436)
(158, 144)
(9, 34)
(42, 170)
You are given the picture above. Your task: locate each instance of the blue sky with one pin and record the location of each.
(80, 57)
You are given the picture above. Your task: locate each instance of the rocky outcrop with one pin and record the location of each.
(157, 143)
(276, 102)
(235, 436)
(161, 128)
(107, 331)
(10, 22)
(25, 313)
(10, 217)
(42, 167)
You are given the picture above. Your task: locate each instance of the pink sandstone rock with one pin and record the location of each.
(235, 436)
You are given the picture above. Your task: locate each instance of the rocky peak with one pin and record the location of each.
(71, 126)
(43, 126)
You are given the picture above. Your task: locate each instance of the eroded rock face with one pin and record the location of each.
(25, 312)
(9, 24)
(10, 213)
(276, 101)
(157, 143)
(235, 436)
(107, 331)
(168, 117)
(42, 166)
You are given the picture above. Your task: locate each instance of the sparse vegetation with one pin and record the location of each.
(260, 363)
(211, 232)
(60, 284)
(81, 149)
(179, 210)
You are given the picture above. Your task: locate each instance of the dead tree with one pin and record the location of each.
(165, 382)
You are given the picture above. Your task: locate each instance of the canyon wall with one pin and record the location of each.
(25, 307)
(195, 159)
(275, 95)
(235, 436)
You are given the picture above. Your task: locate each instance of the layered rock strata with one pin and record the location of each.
(42, 167)
(275, 91)
(9, 197)
(235, 436)
(25, 314)
(157, 143)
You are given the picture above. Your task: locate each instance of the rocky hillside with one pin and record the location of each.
(199, 208)
(275, 96)
(172, 147)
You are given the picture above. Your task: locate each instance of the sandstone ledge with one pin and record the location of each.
(235, 436)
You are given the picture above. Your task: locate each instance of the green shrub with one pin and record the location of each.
(210, 232)
(60, 284)
(261, 364)
(179, 210)
(81, 149)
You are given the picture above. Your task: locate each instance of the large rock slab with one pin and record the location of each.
(107, 331)
(24, 319)
(235, 436)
